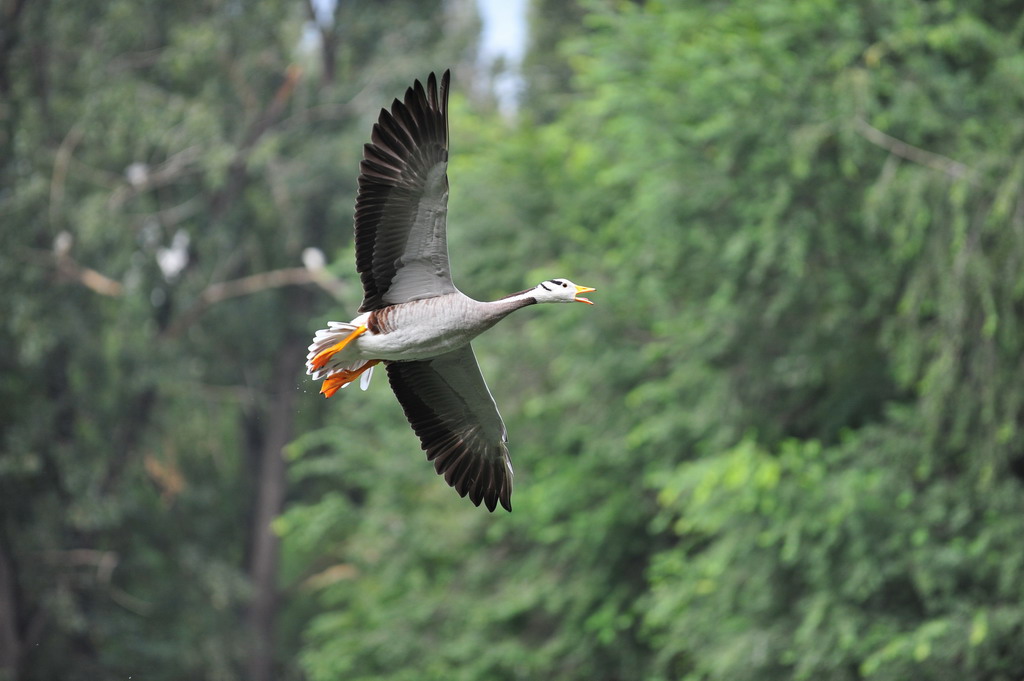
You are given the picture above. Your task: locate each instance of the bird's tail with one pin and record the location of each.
(323, 362)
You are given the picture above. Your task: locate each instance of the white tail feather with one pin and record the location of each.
(364, 380)
(325, 338)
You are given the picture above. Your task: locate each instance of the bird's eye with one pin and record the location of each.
(564, 285)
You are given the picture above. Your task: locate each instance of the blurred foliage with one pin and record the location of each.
(785, 444)
(546, 69)
(159, 166)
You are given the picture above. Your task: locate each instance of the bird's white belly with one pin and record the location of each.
(422, 329)
(410, 343)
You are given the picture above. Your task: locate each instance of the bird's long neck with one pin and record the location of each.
(505, 306)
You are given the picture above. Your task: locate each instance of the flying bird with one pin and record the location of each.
(412, 317)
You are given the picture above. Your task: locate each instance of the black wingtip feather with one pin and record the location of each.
(407, 141)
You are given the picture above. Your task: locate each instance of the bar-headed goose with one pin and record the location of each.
(412, 317)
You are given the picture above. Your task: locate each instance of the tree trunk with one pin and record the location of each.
(9, 647)
(271, 486)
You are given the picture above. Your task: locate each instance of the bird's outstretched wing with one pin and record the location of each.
(454, 415)
(402, 204)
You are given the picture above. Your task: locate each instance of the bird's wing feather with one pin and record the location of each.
(457, 421)
(402, 203)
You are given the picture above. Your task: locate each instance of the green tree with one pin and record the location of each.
(833, 192)
(786, 442)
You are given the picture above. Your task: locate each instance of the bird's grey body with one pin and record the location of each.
(425, 328)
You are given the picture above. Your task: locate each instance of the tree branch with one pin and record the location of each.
(954, 169)
(142, 178)
(58, 177)
(237, 169)
(68, 269)
(234, 288)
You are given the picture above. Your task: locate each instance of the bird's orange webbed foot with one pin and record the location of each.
(324, 356)
(339, 380)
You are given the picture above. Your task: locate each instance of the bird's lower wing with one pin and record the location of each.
(454, 415)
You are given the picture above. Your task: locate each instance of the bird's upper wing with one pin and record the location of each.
(402, 204)
(454, 415)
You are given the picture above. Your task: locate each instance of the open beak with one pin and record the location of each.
(583, 289)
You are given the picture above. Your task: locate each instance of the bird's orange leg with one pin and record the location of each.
(325, 355)
(335, 382)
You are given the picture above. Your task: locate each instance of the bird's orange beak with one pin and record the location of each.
(583, 289)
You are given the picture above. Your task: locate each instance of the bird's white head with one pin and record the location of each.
(560, 291)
